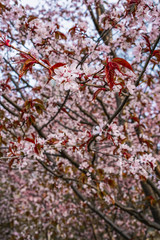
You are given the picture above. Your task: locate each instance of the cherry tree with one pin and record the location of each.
(79, 120)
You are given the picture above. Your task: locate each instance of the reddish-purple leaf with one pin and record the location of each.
(147, 42)
(97, 92)
(28, 64)
(57, 65)
(31, 18)
(109, 71)
(123, 63)
(30, 140)
(46, 61)
(38, 101)
(11, 163)
(37, 148)
(60, 35)
(156, 53)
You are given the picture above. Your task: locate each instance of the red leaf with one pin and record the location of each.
(112, 66)
(5, 42)
(33, 135)
(147, 42)
(134, 118)
(109, 74)
(52, 141)
(126, 154)
(24, 56)
(64, 110)
(151, 164)
(36, 149)
(46, 61)
(30, 140)
(28, 64)
(123, 63)
(31, 18)
(51, 69)
(38, 100)
(11, 163)
(36, 89)
(57, 65)
(132, 6)
(97, 92)
(60, 35)
(72, 30)
(156, 53)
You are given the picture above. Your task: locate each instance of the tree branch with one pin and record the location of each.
(100, 214)
(147, 61)
(52, 118)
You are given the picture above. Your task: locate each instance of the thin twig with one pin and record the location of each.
(52, 118)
